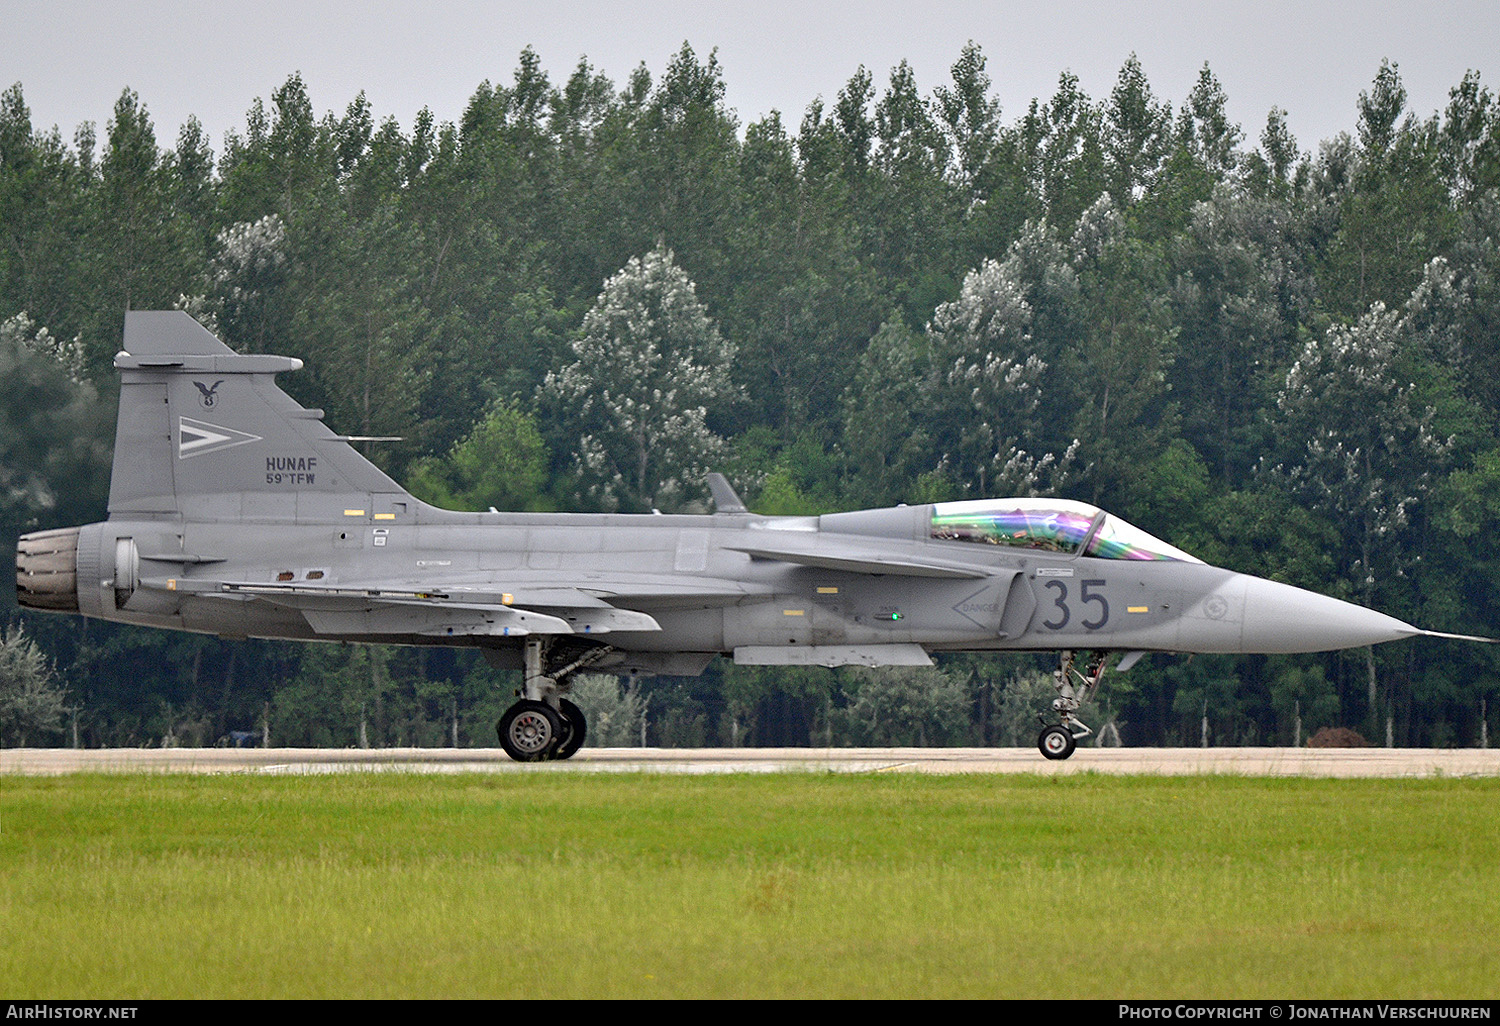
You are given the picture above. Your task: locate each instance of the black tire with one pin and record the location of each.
(1055, 742)
(529, 731)
(574, 729)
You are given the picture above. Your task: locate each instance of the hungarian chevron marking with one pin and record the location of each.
(195, 438)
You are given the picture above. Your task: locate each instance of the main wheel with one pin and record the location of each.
(1055, 742)
(573, 729)
(529, 731)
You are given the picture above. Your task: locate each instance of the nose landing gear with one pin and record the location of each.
(1058, 740)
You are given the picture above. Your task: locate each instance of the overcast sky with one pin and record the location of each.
(212, 59)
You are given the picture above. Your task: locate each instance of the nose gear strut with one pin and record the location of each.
(1074, 687)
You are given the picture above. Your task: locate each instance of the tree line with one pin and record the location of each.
(584, 295)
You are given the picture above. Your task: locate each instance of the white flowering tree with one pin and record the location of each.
(648, 367)
(986, 385)
(248, 268)
(1363, 451)
(1368, 447)
(249, 265)
(22, 333)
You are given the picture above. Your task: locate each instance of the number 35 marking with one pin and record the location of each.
(1087, 595)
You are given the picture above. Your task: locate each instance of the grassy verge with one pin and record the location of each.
(624, 885)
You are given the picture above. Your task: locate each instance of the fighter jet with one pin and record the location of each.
(235, 511)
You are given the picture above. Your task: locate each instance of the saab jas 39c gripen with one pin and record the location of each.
(234, 511)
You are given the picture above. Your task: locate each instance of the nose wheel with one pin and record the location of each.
(1056, 742)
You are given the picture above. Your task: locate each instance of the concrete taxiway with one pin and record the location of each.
(1248, 762)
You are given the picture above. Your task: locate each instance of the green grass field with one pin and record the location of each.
(792, 885)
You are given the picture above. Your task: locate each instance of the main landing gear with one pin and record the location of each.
(544, 724)
(1057, 740)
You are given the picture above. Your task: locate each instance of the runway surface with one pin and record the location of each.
(1248, 762)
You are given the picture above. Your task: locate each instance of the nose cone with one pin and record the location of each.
(1281, 618)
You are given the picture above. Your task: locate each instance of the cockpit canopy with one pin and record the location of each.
(1050, 525)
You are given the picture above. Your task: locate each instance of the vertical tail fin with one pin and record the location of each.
(204, 432)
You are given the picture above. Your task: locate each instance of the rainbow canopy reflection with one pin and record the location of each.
(1050, 525)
